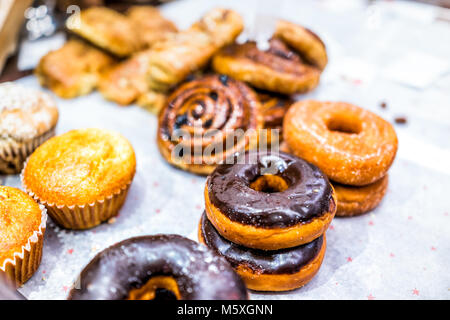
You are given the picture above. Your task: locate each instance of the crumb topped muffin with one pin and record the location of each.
(82, 176)
(22, 227)
(28, 117)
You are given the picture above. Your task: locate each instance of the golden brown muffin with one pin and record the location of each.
(82, 176)
(150, 25)
(304, 41)
(107, 29)
(22, 228)
(174, 59)
(28, 117)
(73, 70)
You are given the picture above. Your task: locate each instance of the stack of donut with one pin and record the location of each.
(267, 214)
(352, 146)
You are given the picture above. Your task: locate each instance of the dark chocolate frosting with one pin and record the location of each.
(308, 196)
(285, 261)
(200, 273)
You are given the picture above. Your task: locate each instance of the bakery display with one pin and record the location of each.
(269, 201)
(138, 268)
(28, 117)
(200, 119)
(22, 228)
(292, 63)
(279, 270)
(80, 76)
(82, 176)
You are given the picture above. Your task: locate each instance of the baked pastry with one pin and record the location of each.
(151, 26)
(354, 201)
(27, 118)
(139, 268)
(278, 69)
(8, 289)
(152, 101)
(126, 81)
(73, 70)
(279, 270)
(273, 107)
(269, 201)
(304, 41)
(207, 120)
(174, 59)
(82, 176)
(352, 146)
(107, 29)
(22, 228)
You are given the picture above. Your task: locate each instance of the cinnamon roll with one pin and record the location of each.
(292, 63)
(206, 121)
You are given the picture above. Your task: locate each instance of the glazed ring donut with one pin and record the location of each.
(137, 267)
(277, 69)
(350, 145)
(280, 270)
(269, 201)
(353, 201)
(211, 104)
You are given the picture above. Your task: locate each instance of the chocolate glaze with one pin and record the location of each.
(200, 274)
(285, 261)
(308, 196)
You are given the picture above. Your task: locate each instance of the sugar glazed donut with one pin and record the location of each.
(279, 270)
(354, 201)
(292, 63)
(144, 268)
(269, 201)
(352, 146)
(199, 118)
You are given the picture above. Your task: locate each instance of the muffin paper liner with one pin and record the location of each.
(83, 216)
(14, 154)
(25, 263)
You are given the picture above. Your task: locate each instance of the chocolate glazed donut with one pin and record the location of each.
(269, 201)
(137, 267)
(279, 270)
(198, 118)
(278, 69)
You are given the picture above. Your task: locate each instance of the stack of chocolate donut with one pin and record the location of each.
(267, 214)
(352, 146)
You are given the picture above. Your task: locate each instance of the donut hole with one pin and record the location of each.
(157, 288)
(344, 124)
(269, 183)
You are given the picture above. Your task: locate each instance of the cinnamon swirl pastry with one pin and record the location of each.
(292, 64)
(207, 120)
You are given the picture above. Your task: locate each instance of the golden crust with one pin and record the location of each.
(350, 145)
(107, 29)
(72, 70)
(20, 217)
(358, 200)
(80, 167)
(174, 59)
(151, 26)
(278, 282)
(306, 42)
(268, 239)
(267, 70)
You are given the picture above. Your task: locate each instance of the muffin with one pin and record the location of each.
(22, 228)
(28, 117)
(82, 176)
